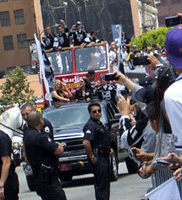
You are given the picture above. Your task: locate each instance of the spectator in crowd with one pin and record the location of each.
(50, 40)
(127, 43)
(91, 39)
(113, 56)
(131, 126)
(83, 93)
(107, 91)
(144, 51)
(156, 48)
(173, 96)
(63, 36)
(78, 33)
(97, 143)
(61, 92)
(124, 53)
(45, 168)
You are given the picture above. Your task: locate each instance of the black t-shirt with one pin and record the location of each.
(40, 148)
(79, 96)
(96, 133)
(5, 145)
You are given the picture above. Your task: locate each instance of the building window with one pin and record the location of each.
(22, 41)
(8, 42)
(175, 1)
(5, 18)
(19, 16)
(3, 1)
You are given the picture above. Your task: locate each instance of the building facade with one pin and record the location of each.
(167, 8)
(19, 20)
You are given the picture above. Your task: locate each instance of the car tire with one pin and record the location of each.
(114, 167)
(30, 182)
(132, 166)
(66, 177)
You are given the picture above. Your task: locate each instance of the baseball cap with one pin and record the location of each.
(146, 94)
(165, 75)
(135, 46)
(79, 23)
(146, 81)
(173, 44)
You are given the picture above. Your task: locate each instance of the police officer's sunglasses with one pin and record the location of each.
(95, 111)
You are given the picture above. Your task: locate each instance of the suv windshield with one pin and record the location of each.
(66, 117)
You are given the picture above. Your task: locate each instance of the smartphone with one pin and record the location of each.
(163, 162)
(142, 60)
(172, 20)
(110, 77)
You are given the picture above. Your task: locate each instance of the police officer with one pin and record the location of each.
(47, 128)
(9, 184)
(106, 91)
(97, 144)
(42, 154)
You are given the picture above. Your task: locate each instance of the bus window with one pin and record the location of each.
(61, 61)
(90, 58)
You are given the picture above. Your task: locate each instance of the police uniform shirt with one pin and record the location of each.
(5, 145)
(63, 38)
(40, 148)
(47, 128)
(96, 133)
(107, 93)
(78, 37)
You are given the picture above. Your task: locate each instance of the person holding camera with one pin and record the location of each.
(78, 33)
(97, 143)
(42, 154)
(107, 91)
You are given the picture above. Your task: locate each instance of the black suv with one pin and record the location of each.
(68, 121)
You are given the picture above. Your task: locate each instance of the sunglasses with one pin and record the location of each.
(95, 111)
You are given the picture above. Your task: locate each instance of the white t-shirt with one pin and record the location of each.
(173, 106)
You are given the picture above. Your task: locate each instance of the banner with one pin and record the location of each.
(166, 191)
(46, 72)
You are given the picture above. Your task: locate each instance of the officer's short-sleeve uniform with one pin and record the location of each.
(11, 187)
(40, 153)
(99, 137)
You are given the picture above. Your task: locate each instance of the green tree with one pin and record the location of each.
(16, 89)
(150, 38)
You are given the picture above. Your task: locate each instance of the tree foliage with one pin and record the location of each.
(150, 38)
(16, 89)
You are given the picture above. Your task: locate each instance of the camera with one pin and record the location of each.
(142, 60)
(172, 21)
(110, 77)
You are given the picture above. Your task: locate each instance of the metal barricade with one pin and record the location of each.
(162, 175)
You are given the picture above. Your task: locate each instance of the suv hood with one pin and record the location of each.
(72, 132)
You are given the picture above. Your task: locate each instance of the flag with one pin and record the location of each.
(166, 191)
(46, 72)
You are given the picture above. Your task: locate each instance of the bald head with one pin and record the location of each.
(34, 119)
